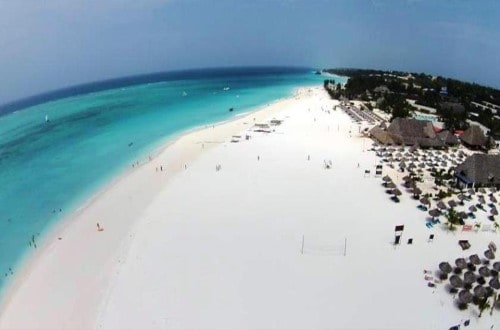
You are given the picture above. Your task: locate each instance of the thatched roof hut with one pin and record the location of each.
(479, 169)
(448, 138)
(408, 131)
(381, 135)
(474, 137)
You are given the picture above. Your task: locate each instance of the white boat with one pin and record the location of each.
(226, 88)
(47, 118)
(184, 93)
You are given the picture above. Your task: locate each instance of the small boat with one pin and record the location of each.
(231, 109)
(184, 93)
(226, 88)
(47, 119)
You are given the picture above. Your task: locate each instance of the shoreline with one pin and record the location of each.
(55, 234)
(86, 201)
(292, 217)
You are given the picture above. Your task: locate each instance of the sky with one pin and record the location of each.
(46, 45)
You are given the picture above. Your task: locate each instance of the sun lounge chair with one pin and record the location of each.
(422, 208)
(429, 225)
(467, 228)
(486, 227)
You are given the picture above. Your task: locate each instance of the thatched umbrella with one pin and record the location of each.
(425, 201)
(391, 185)
(386, 179)
(402, 164)
(489, 254)
(494, 211)
(416, 191)
(469, 277)
(456, 281)
(441, 205)
(461, 197)
(471, 191)
(406, 178)
(482, 191)
(461, 263)
(480, 291)
(496, 266)
(493, 199)
(481, 200)
(472, 208)
(445, 267)
(463, 215)
(396, 192)
(494, 283)
(434, 213)
(493, 190)
(484, 271)
(475, 259)
(452, 203)
(492, 246)
(465, 296)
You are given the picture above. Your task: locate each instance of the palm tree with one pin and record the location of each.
(483, 305)
(453, 218)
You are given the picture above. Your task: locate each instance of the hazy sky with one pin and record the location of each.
(55, 43)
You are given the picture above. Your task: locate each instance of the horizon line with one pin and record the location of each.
(120, 82)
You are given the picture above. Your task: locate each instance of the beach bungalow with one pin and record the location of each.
(381, 135)
(448, 138)
(474, 137)
(479, 170)
(409, 131)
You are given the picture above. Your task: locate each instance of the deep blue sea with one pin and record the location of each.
(95, 131)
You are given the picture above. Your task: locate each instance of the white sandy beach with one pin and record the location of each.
(272, 240)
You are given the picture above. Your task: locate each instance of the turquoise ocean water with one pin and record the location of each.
(47, 166)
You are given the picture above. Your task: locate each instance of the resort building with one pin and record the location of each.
(448, 138)
(486, 106)
(479, 170)
(410, 132)
(405, 131)
(474, 137)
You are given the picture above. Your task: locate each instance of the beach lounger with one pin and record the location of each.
(429, 225)
(486, 227)
(467, 228)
